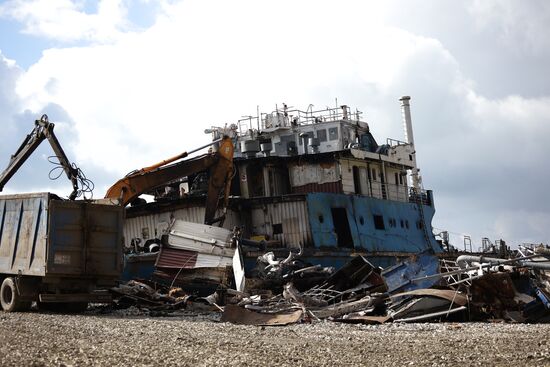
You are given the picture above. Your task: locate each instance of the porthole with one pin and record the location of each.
(361, 220)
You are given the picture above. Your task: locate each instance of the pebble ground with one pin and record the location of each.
(127, 339)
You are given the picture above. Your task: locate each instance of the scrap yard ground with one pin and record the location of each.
(116, 339)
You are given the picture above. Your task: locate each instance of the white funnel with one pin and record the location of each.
(409, 138)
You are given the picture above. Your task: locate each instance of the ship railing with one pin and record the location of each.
(292, 117)
(419, 196)
(394, 142)
(297, 117)
(329, 114)
(401, 193)
(389, 191)
(247, 123)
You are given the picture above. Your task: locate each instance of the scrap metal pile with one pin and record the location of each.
(419, 289)
(158, 300)
(422, 288)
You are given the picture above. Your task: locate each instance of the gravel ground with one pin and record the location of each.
(125, 339)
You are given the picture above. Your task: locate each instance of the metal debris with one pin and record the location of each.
(142, 296)
(420, 289)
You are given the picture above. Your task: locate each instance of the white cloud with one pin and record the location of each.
(145, 96)
(521, 25)
(151, 94)
(17, 122)
(65, 20)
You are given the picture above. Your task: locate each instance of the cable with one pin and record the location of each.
(85, 185)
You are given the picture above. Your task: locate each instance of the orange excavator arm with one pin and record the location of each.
(219, 164)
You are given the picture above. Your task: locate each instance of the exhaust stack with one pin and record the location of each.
(409, 138)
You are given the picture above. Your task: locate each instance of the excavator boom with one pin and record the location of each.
(219, 164)
(42, 130)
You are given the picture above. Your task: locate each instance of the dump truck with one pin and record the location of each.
(55, 251)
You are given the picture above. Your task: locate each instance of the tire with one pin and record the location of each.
(10, 298)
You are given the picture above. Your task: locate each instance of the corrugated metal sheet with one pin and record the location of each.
(155, 225)
(173, 258)
(176, 258)
(292, 216)
(201, 238)
(192, 245)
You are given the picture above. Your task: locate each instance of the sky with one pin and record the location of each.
(131, 82)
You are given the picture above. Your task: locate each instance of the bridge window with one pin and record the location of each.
(322, 135)
(307, 136)
(333, 133)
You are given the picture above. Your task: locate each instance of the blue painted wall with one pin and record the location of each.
(396, 237)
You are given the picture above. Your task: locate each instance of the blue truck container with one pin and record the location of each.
(57, 252)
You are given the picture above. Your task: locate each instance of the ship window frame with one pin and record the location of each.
(378, 222)
(333, 133)
(373, 174)
(309, 134)
(322, 135)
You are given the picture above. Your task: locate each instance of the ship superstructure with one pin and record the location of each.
(316, 180)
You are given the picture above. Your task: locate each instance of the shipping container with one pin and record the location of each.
(57, 251)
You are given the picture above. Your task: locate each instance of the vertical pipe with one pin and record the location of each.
(258, 116)
(409, 138)
(407, 122)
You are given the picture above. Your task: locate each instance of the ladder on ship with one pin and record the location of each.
(420, 202)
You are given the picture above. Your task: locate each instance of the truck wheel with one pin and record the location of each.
(10, 299)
